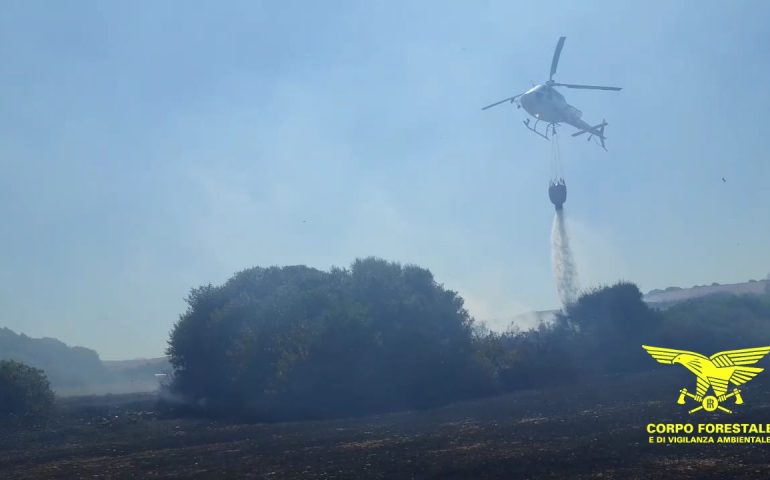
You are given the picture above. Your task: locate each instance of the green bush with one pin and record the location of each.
(612, 323)
(24, 391)
(717, 322)
(296, 342)
(601, 333)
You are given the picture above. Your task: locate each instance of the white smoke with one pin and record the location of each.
(562, 261)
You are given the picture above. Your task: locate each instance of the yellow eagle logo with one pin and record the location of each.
(717, 372)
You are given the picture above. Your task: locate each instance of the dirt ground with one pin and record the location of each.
(590, 429)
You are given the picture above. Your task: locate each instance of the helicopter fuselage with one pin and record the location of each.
(545, 103)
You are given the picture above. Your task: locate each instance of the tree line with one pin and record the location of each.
(296, 342)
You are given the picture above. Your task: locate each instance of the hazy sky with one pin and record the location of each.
(150, 147)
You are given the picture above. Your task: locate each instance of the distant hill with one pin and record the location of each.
(142, 374)
(665, 298)
(68, 367)
(155, 365)
(78, 370)
(662, 299)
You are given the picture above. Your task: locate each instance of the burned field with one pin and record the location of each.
(591, 429)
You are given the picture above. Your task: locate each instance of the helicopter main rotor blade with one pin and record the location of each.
(556, 55)
(509, 99)
(586, 87)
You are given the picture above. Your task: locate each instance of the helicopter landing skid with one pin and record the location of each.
(550, 128)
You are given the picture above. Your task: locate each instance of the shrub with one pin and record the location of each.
(296, 342)
(24, 391)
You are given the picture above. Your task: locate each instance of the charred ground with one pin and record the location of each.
(588, 429)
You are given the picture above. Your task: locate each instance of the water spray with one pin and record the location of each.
(562, 260)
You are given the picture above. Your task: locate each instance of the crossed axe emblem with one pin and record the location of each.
(710, 402)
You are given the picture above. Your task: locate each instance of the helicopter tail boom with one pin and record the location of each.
(597, 130)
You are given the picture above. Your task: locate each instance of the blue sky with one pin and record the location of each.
(150, 147)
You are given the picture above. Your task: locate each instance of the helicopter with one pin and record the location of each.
(546, 104)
